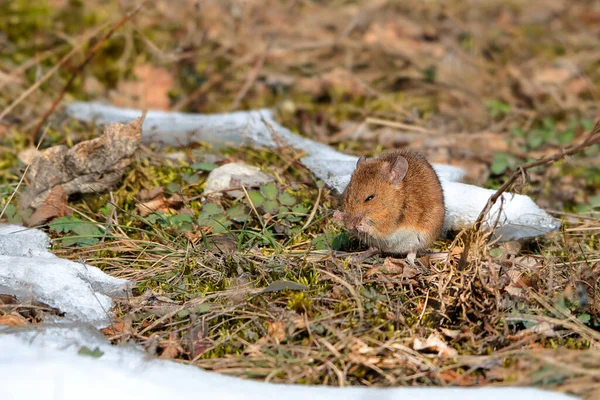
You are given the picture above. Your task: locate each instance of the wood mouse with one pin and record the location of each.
(394, 203)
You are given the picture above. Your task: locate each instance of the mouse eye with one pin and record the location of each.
(369, 198)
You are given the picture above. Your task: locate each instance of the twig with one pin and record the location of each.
(90, 54)
(592, 138)
(399, 125)
(48, 74)
(250, 80)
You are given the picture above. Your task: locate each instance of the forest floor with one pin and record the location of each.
(486, 86)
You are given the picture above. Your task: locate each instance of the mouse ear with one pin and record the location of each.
(361, 161)
(397, 170)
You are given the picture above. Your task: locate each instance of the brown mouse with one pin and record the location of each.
(394, 203)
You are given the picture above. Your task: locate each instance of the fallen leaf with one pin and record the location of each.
(171, 348)
(434, 343)
(6, 299)
(195, 341)
(13, 320)
(159, 203)
(91, 166)
(115, 329)
(276, 331)
(29, 155)
(55, 206)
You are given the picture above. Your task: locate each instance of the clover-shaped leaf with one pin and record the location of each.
(287, 199)
(256, 198)
(269, 191)
(271, 206)
(239, 213)
(203, 166)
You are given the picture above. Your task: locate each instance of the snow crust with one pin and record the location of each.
(518, 216)
(29, 270)
(43, 364)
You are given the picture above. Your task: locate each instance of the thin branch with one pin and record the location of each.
(592, 138)
(48, 74)
(90, 54)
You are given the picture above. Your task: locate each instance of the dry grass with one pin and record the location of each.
(453, 81)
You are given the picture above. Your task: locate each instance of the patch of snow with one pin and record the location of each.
(520, 217)
(29, 270)
(46, 364)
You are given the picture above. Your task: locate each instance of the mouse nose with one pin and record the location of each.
(352, 221)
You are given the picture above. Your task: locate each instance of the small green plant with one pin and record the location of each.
(544, 134)
(86, 232)
(497, 108)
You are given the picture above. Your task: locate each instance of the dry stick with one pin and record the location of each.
(250, 80)
(48, 74)
(592, 138)
(80, 68)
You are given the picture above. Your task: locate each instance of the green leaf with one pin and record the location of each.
(10, 213)
(587, 124)
(269, 191)
(287, 199)
(239, 213)
(94, 353)
(271, 206)
(283, 209)
(496, 253)
(518, 132)
(173, 187)
(190, 179)
(328, 240)
(278, 286)
(535, 138)
(203, 166)
(256, 198)
(182, 221)
(500, 164)
(299, 208)
(86, 232)
(209, 209)
(218, 222)
(566, 137)
(585, 318)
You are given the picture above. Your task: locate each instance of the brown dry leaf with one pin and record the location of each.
(55, 206)
(195, 341)
(149, 194)
(171, 348)
(91, 166)
(115, 329)
(276, 331)
(150, 89)
(13, 319)
(159, 203)
(28, 155)
(451, 333)
(434, 343)
(6, 299)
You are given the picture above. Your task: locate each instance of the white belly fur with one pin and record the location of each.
(401, 242)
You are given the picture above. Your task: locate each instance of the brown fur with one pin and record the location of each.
(416, 202)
